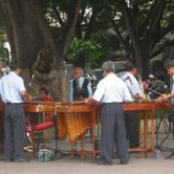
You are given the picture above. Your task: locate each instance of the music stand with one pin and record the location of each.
(163, 116)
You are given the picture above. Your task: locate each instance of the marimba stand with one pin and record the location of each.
(31, 109)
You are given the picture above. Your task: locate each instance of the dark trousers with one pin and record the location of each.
(113, 132)
(132, 126)
(14, 130)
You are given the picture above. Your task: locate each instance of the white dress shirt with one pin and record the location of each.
(112, 89)
(11, 86)
(172, 84)
(132, 84)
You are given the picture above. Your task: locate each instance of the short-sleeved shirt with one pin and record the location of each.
(132, 84)
(11, 86)
(48, 115)
(172, 84)
(112, 89)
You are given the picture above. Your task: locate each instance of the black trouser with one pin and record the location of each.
(14, 123)
(113, 131)
(132, 126)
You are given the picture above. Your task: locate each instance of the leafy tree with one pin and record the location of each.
(146, 23)
(90, 51)
(33, 44)
(40, 33)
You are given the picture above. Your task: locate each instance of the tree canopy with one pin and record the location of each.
(42, 33)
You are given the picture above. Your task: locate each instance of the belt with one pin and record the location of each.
(114, 103)
(13, 103)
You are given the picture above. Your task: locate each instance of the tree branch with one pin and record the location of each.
(57, 16)
(166, 30)
(71, 24)
(156, 18)
(116, 29)
(129, 22)
(91, 22)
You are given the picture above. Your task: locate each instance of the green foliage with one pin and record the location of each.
(90, 50)
(95, 19)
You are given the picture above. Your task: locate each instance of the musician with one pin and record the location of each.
(80, 86)
(43, 96)
(169, 66)
(131, 117)
(111, 92)
(13, 92)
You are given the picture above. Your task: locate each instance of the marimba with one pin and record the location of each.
(76, 118)
(146, 110)
(67, 112)
(32, 109)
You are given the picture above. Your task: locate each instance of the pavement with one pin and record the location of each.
(68, 165)
(139, 163)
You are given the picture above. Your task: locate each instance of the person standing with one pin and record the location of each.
(111, 92)
(13, 92)
(80, 86)
(131, 117)
(169, 66)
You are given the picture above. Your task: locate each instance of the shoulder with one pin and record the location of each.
(102, 82)
(19, 79)
(123, 75)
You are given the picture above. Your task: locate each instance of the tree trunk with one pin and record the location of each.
(142, 58)
(33, 45)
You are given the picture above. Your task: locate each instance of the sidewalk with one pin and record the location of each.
(68, 165)
(138, 164)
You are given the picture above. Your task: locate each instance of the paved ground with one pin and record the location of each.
(138, 164)
(67, 165)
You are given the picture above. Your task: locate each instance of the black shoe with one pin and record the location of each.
(102, 161)
(171, 156)
(105, 163)
(21, 160)
(3, 158)
(9, 160)
(124, 162)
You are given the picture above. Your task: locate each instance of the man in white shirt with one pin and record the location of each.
(169, 66)
(111, 92)
(12, 92)
(131, 117)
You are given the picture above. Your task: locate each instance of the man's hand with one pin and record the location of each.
(91, 101)
(87, 100)
(162, 98)
(26, 96)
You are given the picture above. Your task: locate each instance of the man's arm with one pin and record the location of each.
(89, 87)
(25, 95)
(91, 101)
(71, 91)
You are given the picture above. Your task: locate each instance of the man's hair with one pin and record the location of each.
(109, 66)
(44, 89)
(79, 69)
(129, 66)
(168, 63)
(14, 66)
